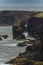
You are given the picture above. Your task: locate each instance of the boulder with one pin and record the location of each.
(0, 38)
(5, 36)
(21, 44)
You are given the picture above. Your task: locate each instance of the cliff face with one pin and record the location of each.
(18, 30)
(8, 17)
(35, 26)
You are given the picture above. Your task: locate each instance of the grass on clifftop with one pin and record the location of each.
(40, 15)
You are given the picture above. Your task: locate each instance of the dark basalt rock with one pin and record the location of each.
(35, 27)
(23, 58)
(26, 58)
(15, 32)
(9, 62)
(5, 36)
(20, 37)
(21, 44)
(29, 49)
(0, 38)
(33, 53)
(26, 43)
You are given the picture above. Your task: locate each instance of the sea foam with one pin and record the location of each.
(4, 64)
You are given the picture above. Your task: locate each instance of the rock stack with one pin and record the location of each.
(17, 30)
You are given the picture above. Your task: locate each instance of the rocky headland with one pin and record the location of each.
(31, 56)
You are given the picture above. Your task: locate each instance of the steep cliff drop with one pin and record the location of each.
(35, 27)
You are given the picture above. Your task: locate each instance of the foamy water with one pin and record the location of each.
(4, 64)
(8, 47)
(6, 30)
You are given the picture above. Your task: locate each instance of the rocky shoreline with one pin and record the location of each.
(29, 57)
(25, 43)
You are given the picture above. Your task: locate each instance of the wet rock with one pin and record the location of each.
(23, 54)
(29, 49)
(0, 38)
(30, 57)
(5, 36)
(21, 44)
(26, 43)
(22, 59)
(29, 41)
(21, 37)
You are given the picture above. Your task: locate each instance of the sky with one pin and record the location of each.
(21, 5)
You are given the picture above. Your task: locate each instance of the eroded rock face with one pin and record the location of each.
(17, 34)
(35, 26)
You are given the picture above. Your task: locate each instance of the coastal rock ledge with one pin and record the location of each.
(27, 58)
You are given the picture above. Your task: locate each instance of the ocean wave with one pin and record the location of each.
(4, 64)
(5, 40)
(3, 61)
(11, 45)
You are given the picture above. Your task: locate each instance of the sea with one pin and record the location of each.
(8, 47)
